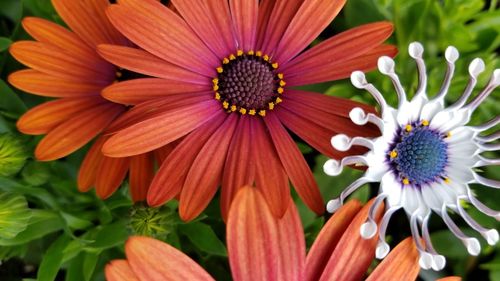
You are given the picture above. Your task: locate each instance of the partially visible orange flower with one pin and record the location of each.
(262, 247)
(64, 65)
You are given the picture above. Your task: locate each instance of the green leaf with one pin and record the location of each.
(89, 264)
(36, 173)
(4, 43)
(14, 215)
(203, 237)
(42, 222)
(52, 259)
(10, 101)
(74, 271)
(108, 236)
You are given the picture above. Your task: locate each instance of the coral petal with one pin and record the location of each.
(141, 173)
(119, 270)
(88, 169)
(245, 16)
(110, 174)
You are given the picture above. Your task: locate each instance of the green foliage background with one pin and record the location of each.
(50, 231)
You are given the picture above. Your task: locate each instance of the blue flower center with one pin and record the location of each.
(419, 155)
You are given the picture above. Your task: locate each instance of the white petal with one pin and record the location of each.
(392, 188)
(430, 109)
(430, 198)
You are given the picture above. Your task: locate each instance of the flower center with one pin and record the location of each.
(248, 83)
(419, 155)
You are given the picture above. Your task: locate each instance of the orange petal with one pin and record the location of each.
(295, 165)
(42, 84)
(110, 175)
(154, 260)
(48, 32)
(206, 171)
(160, 130)
(353, 254)
(45, 117)
(88, 20)
(76, 132)
(141, 90)
(291, 245)
(239, 169)
(140, 175)
(451, 278)
(252, 238)
(327, 239)
(172, 174)
(119, 270)
(270, 177)
(143, 62)
(401, 264)
(245, 16)
(88, 169)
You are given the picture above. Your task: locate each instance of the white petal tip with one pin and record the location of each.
(340, 142)
(358, 116)
(368, 230)
(332, 167)
(476, 67)
(358, 79)
(497, 217)
(425, 261)
(416, 50)
(382, 250)
(473, 246)
(333, 205)
(386, 65)
(451, 54)
(438, 262)
(491, 236)
(495, 78)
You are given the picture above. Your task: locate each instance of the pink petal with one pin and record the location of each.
(206, 172)
(245, 16)
(295, 165)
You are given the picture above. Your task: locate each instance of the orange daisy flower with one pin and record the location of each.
(240, 61)
(64, 65)
(263, 247)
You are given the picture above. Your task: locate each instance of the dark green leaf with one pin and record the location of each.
(52, 260)
(203, 237)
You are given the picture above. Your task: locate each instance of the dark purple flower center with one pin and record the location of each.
(248, 83)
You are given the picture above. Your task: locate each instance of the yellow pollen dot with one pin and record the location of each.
(258, 53)
(262, 113)
(233, 108)
(118, 74)
(266, 57)
(408, 128)
(280, 90)
(217, 96)
(251, 52)
(280, 75)
(239, 53)
(447, 180)
(215, 81)
(448, 135)
(406, 181)
(225, 61)
(225, 104)
(232, 57)
(393, 154)
(252, 112)
(271, 106)
(278, 100)
(243, 111)
(275, 65)
(282, 83)
(425, 123)
(220, 69)
(216, 87)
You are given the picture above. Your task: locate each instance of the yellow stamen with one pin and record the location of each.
(225, 104)
(282, 83)
(215, 81)
(280, 75)
(275, 65)
(220, 69)
(447, 180)
(278, 100)
(216, 87)
(406, 181)
(448, 135)
(232, 57)
(271, 106)
(262, 113)
(251, 52)
(425, 123)
(408, 128)
(239, 53)
(393, 154)
(225, 61)
(266, 57)
(252, 112)
(233, 108)
(243, 111)
(217, 96)
(280, 90)
(118, 74)
(258, 53)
